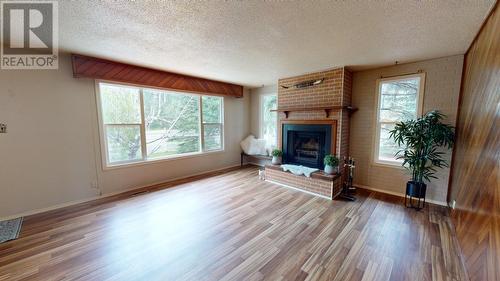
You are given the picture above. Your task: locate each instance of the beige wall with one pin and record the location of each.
(442, 87)
(51, 153)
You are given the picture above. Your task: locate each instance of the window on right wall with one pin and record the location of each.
(398, 98)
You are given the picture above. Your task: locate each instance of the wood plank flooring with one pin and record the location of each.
(232, 226)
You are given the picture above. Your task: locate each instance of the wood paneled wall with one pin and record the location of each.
(474, 181)
(96, 68)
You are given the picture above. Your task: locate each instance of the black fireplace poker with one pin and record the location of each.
(347, 188)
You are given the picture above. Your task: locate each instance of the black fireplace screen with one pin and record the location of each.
(306, 145)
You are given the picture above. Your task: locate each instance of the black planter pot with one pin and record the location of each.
(415, 191)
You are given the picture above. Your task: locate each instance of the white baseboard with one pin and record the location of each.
(75, 202)
(441, 203)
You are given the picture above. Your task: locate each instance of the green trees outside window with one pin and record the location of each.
(142, 124)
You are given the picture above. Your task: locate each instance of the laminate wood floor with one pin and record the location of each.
(232, 226)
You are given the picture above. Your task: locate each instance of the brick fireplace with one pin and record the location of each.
(325, 105)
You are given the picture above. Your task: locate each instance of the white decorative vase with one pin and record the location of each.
(276, 160)
(330, 170)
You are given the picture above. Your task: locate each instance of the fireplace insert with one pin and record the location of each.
(306, 145)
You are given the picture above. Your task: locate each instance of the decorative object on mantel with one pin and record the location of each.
(421, 139)
(276, 156)
(331, 164)
(299, 170)
(326, 109)
(305, 84)
(347, 188)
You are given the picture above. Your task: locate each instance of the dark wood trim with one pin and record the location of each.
(327, 109)
(333, 147)
(90, 67)
(243, 155)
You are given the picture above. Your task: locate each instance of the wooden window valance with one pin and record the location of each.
(90, 67)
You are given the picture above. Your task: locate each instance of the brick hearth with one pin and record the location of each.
(319, 183)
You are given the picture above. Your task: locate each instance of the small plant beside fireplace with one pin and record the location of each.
(331, 164)
(420, 140)
(276, 153)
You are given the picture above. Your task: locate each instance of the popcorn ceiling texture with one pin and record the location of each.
(257, 42)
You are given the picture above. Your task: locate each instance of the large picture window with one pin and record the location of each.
(268, 119)
(142, 124)
(399, 98)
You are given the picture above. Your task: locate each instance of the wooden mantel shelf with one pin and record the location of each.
(326, 109)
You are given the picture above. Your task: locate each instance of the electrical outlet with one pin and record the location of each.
(3, 128)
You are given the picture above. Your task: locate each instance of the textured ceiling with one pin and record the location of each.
(255, 42)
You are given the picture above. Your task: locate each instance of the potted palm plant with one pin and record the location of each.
(331, 164)
(276, 153)
(421, 140)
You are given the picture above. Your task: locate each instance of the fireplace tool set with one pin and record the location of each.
(348, 189)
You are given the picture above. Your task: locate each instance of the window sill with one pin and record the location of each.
(160, 160)
(395, 165)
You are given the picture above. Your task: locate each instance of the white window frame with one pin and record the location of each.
(145, 160)
(261, 115)
(203, 123)
(376, 138)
